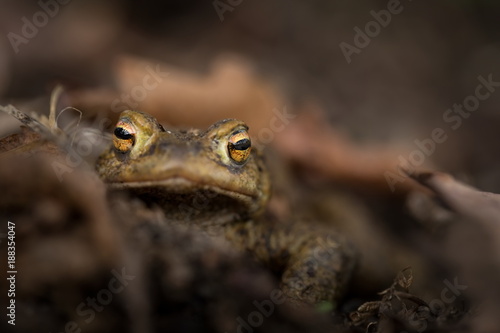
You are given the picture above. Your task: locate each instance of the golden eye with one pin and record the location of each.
(124, 137)
(239, 146)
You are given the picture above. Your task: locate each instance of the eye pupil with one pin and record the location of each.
(123, 134)
(239, 146)
(242, 144)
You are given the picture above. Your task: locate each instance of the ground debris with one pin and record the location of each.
(399, 310)
(76, 244)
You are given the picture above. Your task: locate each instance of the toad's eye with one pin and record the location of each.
(239, 146)
(124, 137)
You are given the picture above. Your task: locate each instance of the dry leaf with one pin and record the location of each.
(185, 98)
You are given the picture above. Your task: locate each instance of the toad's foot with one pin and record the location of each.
(315, 264)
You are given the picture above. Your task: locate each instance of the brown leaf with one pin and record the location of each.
(479, 206)
(231, 89)
(313, 143)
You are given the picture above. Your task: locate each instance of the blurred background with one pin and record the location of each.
(354, 91)
(245, 58)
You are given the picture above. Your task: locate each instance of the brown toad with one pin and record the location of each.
(216, 181)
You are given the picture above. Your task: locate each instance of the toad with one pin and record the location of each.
(216, 181)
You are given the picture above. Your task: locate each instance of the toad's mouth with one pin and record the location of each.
(188, 202)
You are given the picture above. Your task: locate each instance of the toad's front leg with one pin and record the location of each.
(315, 264)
